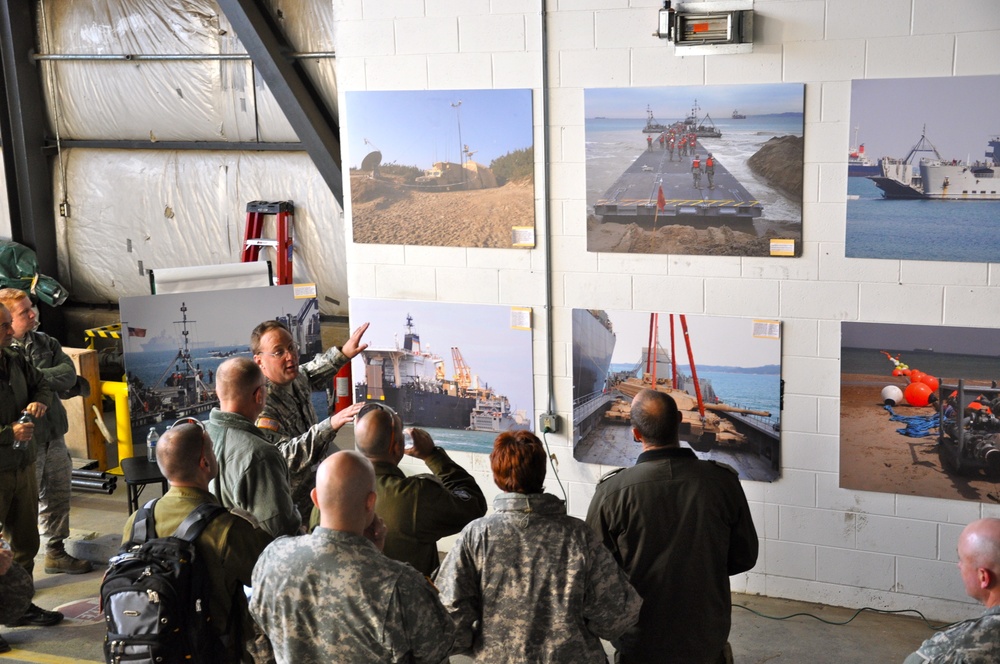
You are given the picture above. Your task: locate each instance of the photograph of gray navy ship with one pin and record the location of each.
(672, 187)
(935, 192)
(730, 399)
(174, 344)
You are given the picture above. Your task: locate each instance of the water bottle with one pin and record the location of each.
(151, 439)
(25, 419)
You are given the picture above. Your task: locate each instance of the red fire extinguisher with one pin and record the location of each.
(342, 388)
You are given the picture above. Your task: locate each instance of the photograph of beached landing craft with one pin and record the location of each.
(450, 168)
(934, 146)
(676, 170)
(724, 374)
(918, 410)
(175, 342)
(463, 372)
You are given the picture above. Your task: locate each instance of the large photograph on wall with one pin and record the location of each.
(174, 343)
(463, 372)
(917, 410)
(726, 382)
(452, 168)
(924, 169)
(713, 170)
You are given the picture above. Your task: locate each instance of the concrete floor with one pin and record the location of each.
(755, 639)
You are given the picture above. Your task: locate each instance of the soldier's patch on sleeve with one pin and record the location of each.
(268, 423)
(462, 493)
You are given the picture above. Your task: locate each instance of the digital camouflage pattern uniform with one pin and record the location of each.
(332, 597)
(16, 589)
(253, 476)
(229, 545)
(421, 509)
(531, 584)
(20, 384)
(973, 641)
(290, 422)
(53, 467)
(679, 527)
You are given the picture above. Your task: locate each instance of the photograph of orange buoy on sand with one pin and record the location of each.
(898, 384)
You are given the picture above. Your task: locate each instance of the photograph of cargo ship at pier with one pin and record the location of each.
(461, 371)
(174, 344)
(918, 410)
(451, 168)
(672, 170)
(724, 374)
(935, 193)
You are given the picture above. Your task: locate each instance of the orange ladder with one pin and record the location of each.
(252, 241)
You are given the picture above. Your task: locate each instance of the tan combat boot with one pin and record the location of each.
(57, 561)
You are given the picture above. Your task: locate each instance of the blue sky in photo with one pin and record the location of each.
(674, 102)
(420, 127)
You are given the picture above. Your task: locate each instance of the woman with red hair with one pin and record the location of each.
(529, 583)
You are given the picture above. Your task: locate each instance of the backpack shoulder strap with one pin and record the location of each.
(144, 525)
(192, 526)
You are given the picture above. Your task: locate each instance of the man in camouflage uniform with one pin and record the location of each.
(331, 596)
(679, 527)
(972, 641)
(289, 419)
(253, 476)
(420, 509)
(499, 580)
(229, 545)
(16, 589)
(22, 387)
(53, 467)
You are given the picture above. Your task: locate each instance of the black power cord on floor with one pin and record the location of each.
(936, 628)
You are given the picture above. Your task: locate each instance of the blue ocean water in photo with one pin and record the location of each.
(951, 365)
(612, 145)
(746, 390)
(920, 229)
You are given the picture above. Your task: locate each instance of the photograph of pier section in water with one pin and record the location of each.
(726, 382)
(463, 372)
(174, 344)
(673, 170)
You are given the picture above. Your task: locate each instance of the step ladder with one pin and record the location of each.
(252, 240)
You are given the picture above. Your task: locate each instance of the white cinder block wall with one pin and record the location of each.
(818, 542)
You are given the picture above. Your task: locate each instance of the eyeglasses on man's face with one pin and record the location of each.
(279, 353)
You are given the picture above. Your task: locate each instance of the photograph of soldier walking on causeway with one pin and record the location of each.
(705, 182)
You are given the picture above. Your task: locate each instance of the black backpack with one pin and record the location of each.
(155, 595)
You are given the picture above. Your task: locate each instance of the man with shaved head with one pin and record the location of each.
(331, 596)
(253, 475)
(973, 641)
(229, 545)
(420, 509)
(679, 527)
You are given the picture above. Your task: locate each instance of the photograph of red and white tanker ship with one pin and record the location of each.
(461, 371)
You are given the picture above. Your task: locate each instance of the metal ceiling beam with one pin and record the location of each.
(316, 126)
(23, 127)
(215, 146)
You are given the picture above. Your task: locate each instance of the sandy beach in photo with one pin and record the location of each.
(874, 457)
